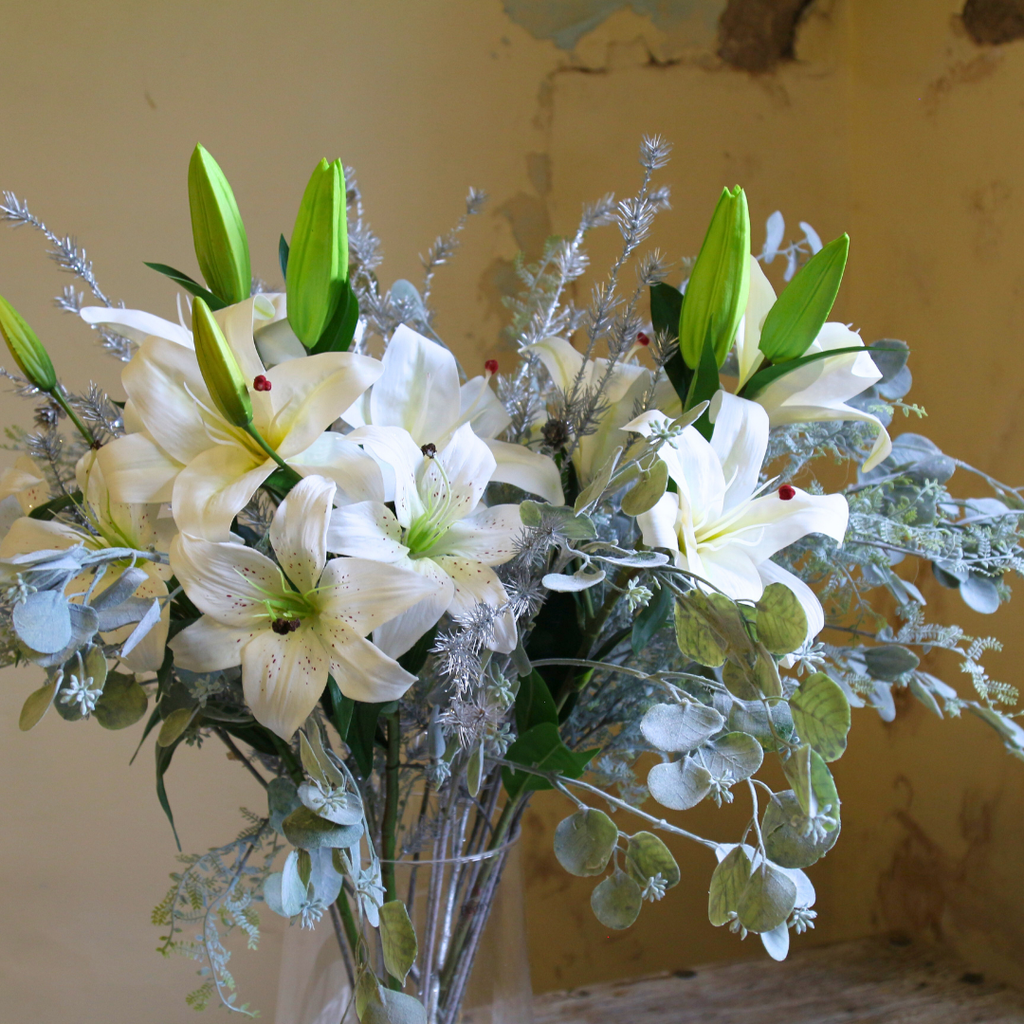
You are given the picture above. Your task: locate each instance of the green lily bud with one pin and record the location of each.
(222, 247)
(219, 368)
(318, 257)
(716, 294)
(32, 359)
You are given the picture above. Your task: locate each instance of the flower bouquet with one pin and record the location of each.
(405, 597)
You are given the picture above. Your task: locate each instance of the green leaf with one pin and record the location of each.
(801, 310)
(767, 899)
(416, 657)
(764, 377)
(361, 733)
(590, 496)
(812, 782)
(788, 840)
(36, 705)
(174, 726)
(666, 307)
(341, 328)
(821, 714)
(561, 518)
(694, 635)
(534, 703)
(752, 717)
(369, 995)
(398, 939)
(616, 901)
(651, 619)
(680, 728)
(781, 620)
(122, 703)
(304, 865)
(50, 508)
(584, 842)
(890, 661)
(727, 884)
(647, 856)
(308, 831)
(282, 256)
(648, 489)
(342, 708)
(750, 680)
(163, 762)
(187, 284)
(542, 747)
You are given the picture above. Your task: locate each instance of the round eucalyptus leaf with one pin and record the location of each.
(396, 1008)
(680, 728)
(695, 637)
(781, 621)
(748, 681)
(789, 839)
(679, 785)
(616, 901)
(647, 856)
(282, 799)
(732, 757)
(122, 703)
(980, 593)
(752, 717)
(890, 661)
(727, 884)
(308, 831)
(43, 621)
(821, 714)
(335, 805)
(36, 705)
(767, 899)
(647, 491)
(584, 842)
(174, 726)
(776, 942)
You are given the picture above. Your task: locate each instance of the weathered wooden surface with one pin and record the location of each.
(872, 981)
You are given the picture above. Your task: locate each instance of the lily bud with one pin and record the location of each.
(716, 294)
(32, 359)
(318, 257)
(222, 247)
(220, 369)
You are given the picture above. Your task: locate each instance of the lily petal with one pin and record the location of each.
(363, 672)
(283, 677)
(531, 471)
(398, 635)
(368, 529)
(468, 465)
(760, 300)
(209, 646)
(136, 324)
(401, 460)
(137, 470)
(479, 584)
(740, 439)
(488, 535)
(228, 582)
(481, 408)
(356, 474)
(298, 532)
(659, 525)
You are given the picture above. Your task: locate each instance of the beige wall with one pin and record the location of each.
(891, 125)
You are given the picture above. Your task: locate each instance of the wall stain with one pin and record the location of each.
(988, 207)
(758, 35)
(962, 72)
(992, 22)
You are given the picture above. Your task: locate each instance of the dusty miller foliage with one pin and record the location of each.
(460, 722)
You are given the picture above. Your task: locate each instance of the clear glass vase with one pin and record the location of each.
(473, 899)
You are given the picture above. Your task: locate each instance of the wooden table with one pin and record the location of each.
(872, 981)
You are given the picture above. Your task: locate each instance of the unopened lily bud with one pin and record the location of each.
(32, 359)
(222, 247)
(219, 368)
(716, 294)
(318, 257)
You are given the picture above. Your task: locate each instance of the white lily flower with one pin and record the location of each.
(181, 449)
(719, 524)
(439, 530)
(818, 390)
(289, 626)
(113, 525)
(419, 391)
(627, 383)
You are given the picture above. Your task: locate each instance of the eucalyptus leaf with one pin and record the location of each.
(138, 634)
(591, 495)
(561, 518)
(395, 1008)
(750, 680)
(727, 885)
(335, 805)
(753, 717)
(282, 799)
(889, 661)
(398, 939)
(616, 901)
(821, 714)
(306, 830)
(789, 839)
(647, 857)
(36, 705)
(174, 726)
(781, 620)
(580, 580)
(651, 618)
(732, 757)
(584, 842)
(767, 899)
(680, 728)
(647, 491)
(310, 762)
(120, 590)
(980, 593)
(122, 703)
(776, 941)
(43, 621)
(679, 785)
(694, 636)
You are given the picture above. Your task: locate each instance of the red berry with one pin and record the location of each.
(491, 366)
(643, 339)
(787, 493)
(261, 384)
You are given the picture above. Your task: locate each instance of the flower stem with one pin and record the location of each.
(293, 476)
(57, 394)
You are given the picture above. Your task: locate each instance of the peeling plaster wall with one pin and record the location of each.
(891, 123)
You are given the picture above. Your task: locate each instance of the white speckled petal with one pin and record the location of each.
(298, 533)
(209, 645)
